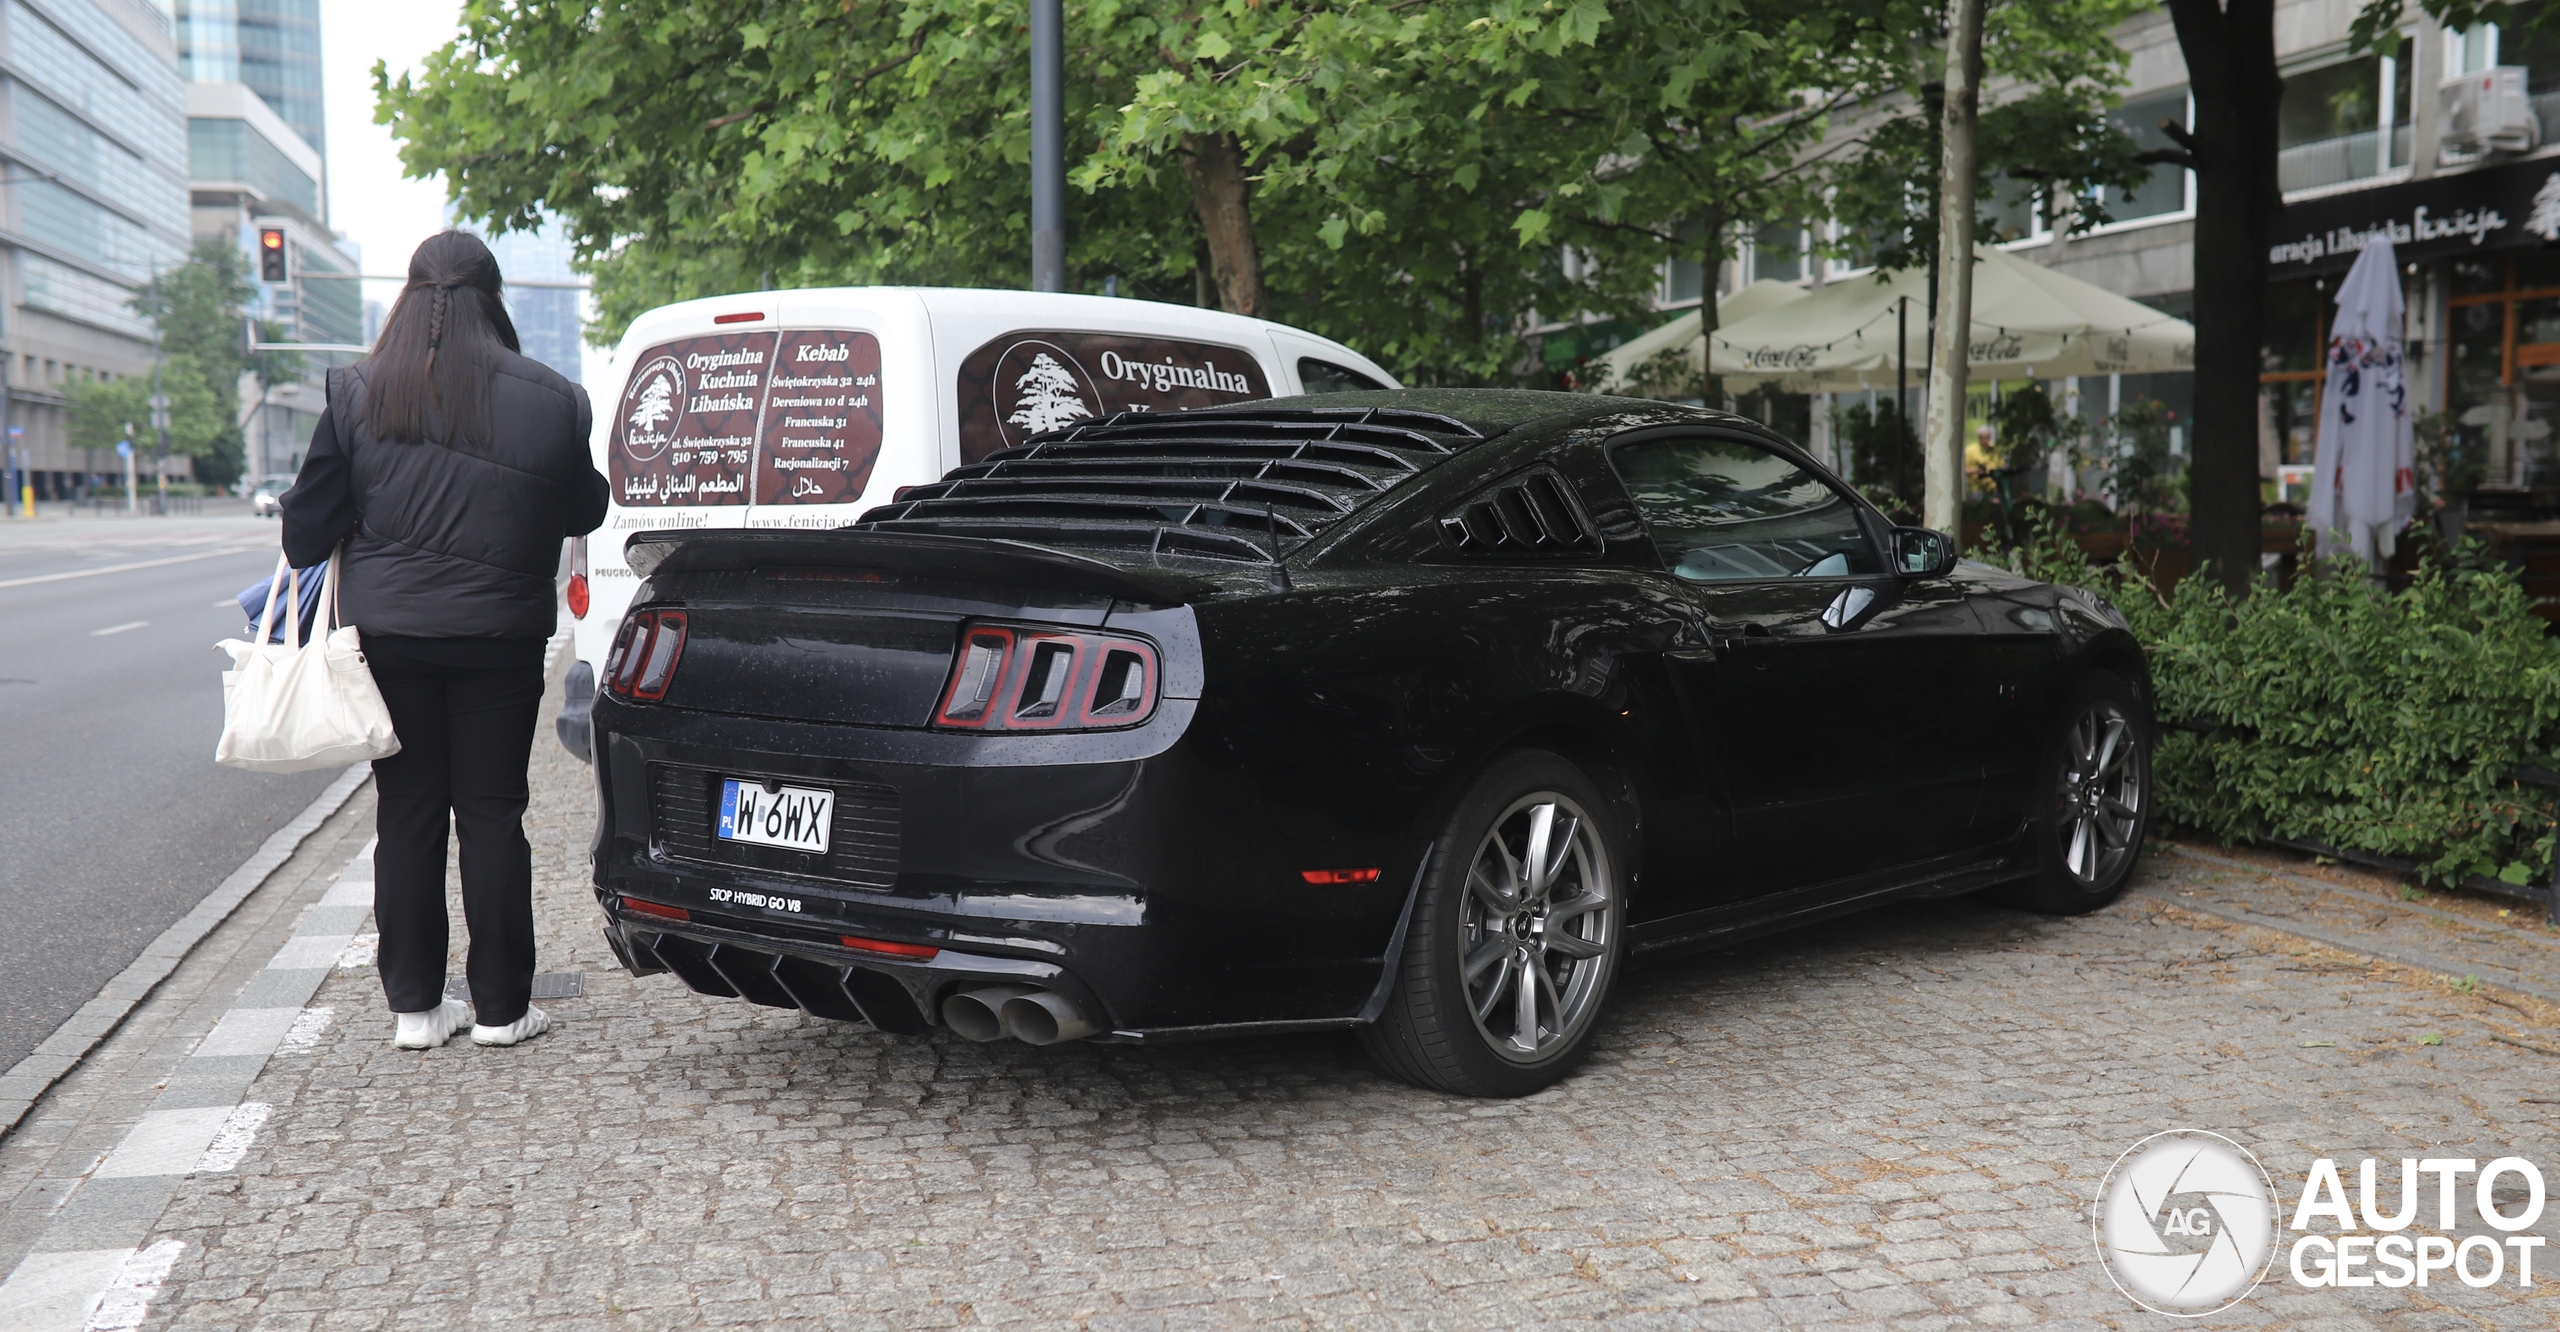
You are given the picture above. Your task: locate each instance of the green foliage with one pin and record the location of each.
(2142, 475)
(1883, 451)
(197, 307)
(1415, 171)
(2385, 722)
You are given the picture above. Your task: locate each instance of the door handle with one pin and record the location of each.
(1742, 642)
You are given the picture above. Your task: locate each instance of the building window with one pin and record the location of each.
(1778, 252)
(2343, 121)
(2502, 366)
(2166, 192)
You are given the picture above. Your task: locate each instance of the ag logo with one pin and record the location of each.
(1038, 386)
(2185, 1223)
(649, 408)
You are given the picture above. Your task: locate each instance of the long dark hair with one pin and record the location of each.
(428, 376)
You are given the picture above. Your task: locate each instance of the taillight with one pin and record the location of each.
(645, 654)
(578, 596)
(884, 946)
(1006, 678)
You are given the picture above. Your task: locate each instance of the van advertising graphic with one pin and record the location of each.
(749, 418)
(821, 419)
(1023, 383)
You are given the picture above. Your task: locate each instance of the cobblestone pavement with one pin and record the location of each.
(1896, 1120)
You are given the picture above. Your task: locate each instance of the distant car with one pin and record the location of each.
(1417, 713)
(267, 501)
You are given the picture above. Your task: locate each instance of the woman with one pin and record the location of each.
(451, 466)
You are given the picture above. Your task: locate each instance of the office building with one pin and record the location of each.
(93, 203)
(255, 152)
(546, 318)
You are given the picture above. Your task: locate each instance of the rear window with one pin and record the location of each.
(1020, 384)
(749, 418)
(1326, 377)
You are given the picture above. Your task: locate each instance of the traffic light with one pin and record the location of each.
(271, 254)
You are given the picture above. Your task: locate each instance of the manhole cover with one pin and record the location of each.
(546, 985)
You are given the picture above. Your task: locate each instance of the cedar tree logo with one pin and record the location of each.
(649, 405)
(2186, 1223)
(1038, 386)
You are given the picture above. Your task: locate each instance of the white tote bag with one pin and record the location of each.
(295, 706)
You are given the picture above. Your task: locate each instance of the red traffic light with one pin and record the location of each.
(272, 238)
(271, 255)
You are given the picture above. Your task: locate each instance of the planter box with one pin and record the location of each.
(2164, 566)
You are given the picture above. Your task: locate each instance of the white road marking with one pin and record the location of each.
(127, 1300)
(307, 1030)
(226, 604)
(238, 1132)
(56, 1292)
(119, 628)
(166, 1142)
(126, 568)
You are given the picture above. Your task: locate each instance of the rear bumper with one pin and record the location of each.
(1136, 875)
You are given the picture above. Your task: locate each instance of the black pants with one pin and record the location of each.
(466, 736)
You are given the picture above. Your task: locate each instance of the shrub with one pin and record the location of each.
(2390, 723)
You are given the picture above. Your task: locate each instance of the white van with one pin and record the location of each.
(804, 408)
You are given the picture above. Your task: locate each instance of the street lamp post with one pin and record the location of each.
(160, 425)
(124, 446)
(1048, 147)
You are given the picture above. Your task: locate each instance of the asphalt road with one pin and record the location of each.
(114, 819)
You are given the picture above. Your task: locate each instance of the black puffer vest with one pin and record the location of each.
(456, 543)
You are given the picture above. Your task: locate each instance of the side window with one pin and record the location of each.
(1722, 509)
(1326, 377)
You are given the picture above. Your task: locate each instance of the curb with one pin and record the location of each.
(27, 1082)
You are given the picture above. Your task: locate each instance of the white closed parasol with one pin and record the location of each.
(2364, 479)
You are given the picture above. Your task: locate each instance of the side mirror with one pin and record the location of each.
(1919, 552)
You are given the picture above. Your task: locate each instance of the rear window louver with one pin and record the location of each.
(1232, 485)
(1528, 516)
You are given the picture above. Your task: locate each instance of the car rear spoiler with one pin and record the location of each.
(975, 559)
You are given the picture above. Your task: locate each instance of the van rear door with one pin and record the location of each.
(848, 410)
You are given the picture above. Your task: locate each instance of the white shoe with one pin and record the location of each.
(532, 1024)
(427, 1030)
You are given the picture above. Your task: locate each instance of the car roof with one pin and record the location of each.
(1496, 411)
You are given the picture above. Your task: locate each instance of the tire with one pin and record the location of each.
(1447, 1031)
(2088, 826)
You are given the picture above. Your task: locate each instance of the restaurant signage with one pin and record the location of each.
(2474, 211)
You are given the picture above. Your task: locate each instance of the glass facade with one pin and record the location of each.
(546, 318)
(2166, 190)
(229, 150)
(271, 45)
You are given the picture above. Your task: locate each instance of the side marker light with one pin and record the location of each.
(661, 910)
(1337, 876)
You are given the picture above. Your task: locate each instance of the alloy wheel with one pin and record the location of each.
(2101, 793)
(1534, 934)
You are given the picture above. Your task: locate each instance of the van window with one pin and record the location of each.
(1326, 377)
(749, 418)
(1023, 383)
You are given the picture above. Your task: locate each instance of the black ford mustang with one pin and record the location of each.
(1419, 713)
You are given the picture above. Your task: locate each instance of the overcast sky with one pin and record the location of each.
(370, 202)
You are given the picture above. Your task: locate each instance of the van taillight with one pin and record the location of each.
(1009, 678)
(645, 654)
(578, 596)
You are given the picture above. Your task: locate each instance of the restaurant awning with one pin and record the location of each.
(2029, 321)
(1615, 371)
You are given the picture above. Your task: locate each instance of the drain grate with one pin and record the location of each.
(546, 985)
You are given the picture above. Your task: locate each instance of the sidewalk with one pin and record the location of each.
(1893, 1119)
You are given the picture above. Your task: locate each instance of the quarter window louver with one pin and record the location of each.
(1533, 515)
(1247, 486)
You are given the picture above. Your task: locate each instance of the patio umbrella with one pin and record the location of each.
(2363, 483)
(1614, 372)
(2029, 322)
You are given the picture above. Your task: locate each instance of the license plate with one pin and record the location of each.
(797, 817)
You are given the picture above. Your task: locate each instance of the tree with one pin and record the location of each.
(1408, 177)
(2230, 49)
(198, 308)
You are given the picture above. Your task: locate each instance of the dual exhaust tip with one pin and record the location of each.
(1025, 1013)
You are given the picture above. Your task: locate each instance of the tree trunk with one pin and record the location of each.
(1710, 276)
(1215, 163)
(2230, 47)
(1942, 474)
